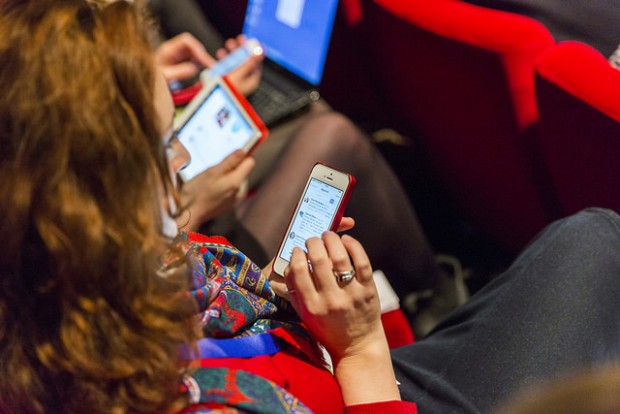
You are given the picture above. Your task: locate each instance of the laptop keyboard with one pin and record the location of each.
(272, 105)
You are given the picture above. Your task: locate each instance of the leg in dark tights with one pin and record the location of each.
(554, 311)
(385, 221)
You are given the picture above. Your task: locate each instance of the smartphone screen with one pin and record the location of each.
(235, 58)
(230, 62)
(315, 214)
(215, 130)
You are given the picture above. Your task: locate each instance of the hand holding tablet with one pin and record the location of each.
(217, 122)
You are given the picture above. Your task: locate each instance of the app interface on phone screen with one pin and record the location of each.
(315, 214)
(230, 62)
(215, 130)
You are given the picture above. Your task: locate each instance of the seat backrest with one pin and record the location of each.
(578, 94)
(461, 77)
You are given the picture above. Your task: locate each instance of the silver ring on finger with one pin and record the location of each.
(343, 278)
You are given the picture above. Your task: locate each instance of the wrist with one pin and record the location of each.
(197, 210)
(191, 220)
(370, 341)
(367, 375)
(375, 349)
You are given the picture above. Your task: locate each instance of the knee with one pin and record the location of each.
(588, 241)
(337, 133)
(598, 223)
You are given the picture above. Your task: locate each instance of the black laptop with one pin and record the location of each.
(295, 35)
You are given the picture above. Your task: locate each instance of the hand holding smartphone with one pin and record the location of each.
(319, 209)
(235, 58)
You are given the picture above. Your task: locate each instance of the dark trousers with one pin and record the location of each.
(554, 311)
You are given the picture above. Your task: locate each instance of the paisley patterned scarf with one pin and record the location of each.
(236, 301)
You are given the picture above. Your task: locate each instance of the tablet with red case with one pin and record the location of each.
(217, 122)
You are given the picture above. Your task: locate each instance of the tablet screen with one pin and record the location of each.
(215, 130)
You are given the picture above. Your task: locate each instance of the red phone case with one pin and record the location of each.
(339, 213)
(345, 198)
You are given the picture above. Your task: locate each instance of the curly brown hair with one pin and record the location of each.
(86, 322)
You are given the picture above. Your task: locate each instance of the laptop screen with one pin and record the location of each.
(294, 33)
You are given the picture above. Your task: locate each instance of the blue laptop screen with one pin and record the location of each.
(294, 33)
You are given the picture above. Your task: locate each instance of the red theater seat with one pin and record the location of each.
(462, 78)
(579, 101)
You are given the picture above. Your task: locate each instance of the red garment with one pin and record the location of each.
(314, 386)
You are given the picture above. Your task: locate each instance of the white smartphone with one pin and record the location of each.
(233, 59)
(319, 209)
(217, 122)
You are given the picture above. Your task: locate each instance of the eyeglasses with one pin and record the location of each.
(171, 140)
(171, 136)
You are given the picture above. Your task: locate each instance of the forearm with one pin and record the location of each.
(368, 376)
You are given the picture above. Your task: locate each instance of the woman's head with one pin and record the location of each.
(592, 391)
(85, 320)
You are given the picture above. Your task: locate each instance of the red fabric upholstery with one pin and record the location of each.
(461, 76)
(352, 11)
(578, 95)
(397, 328)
